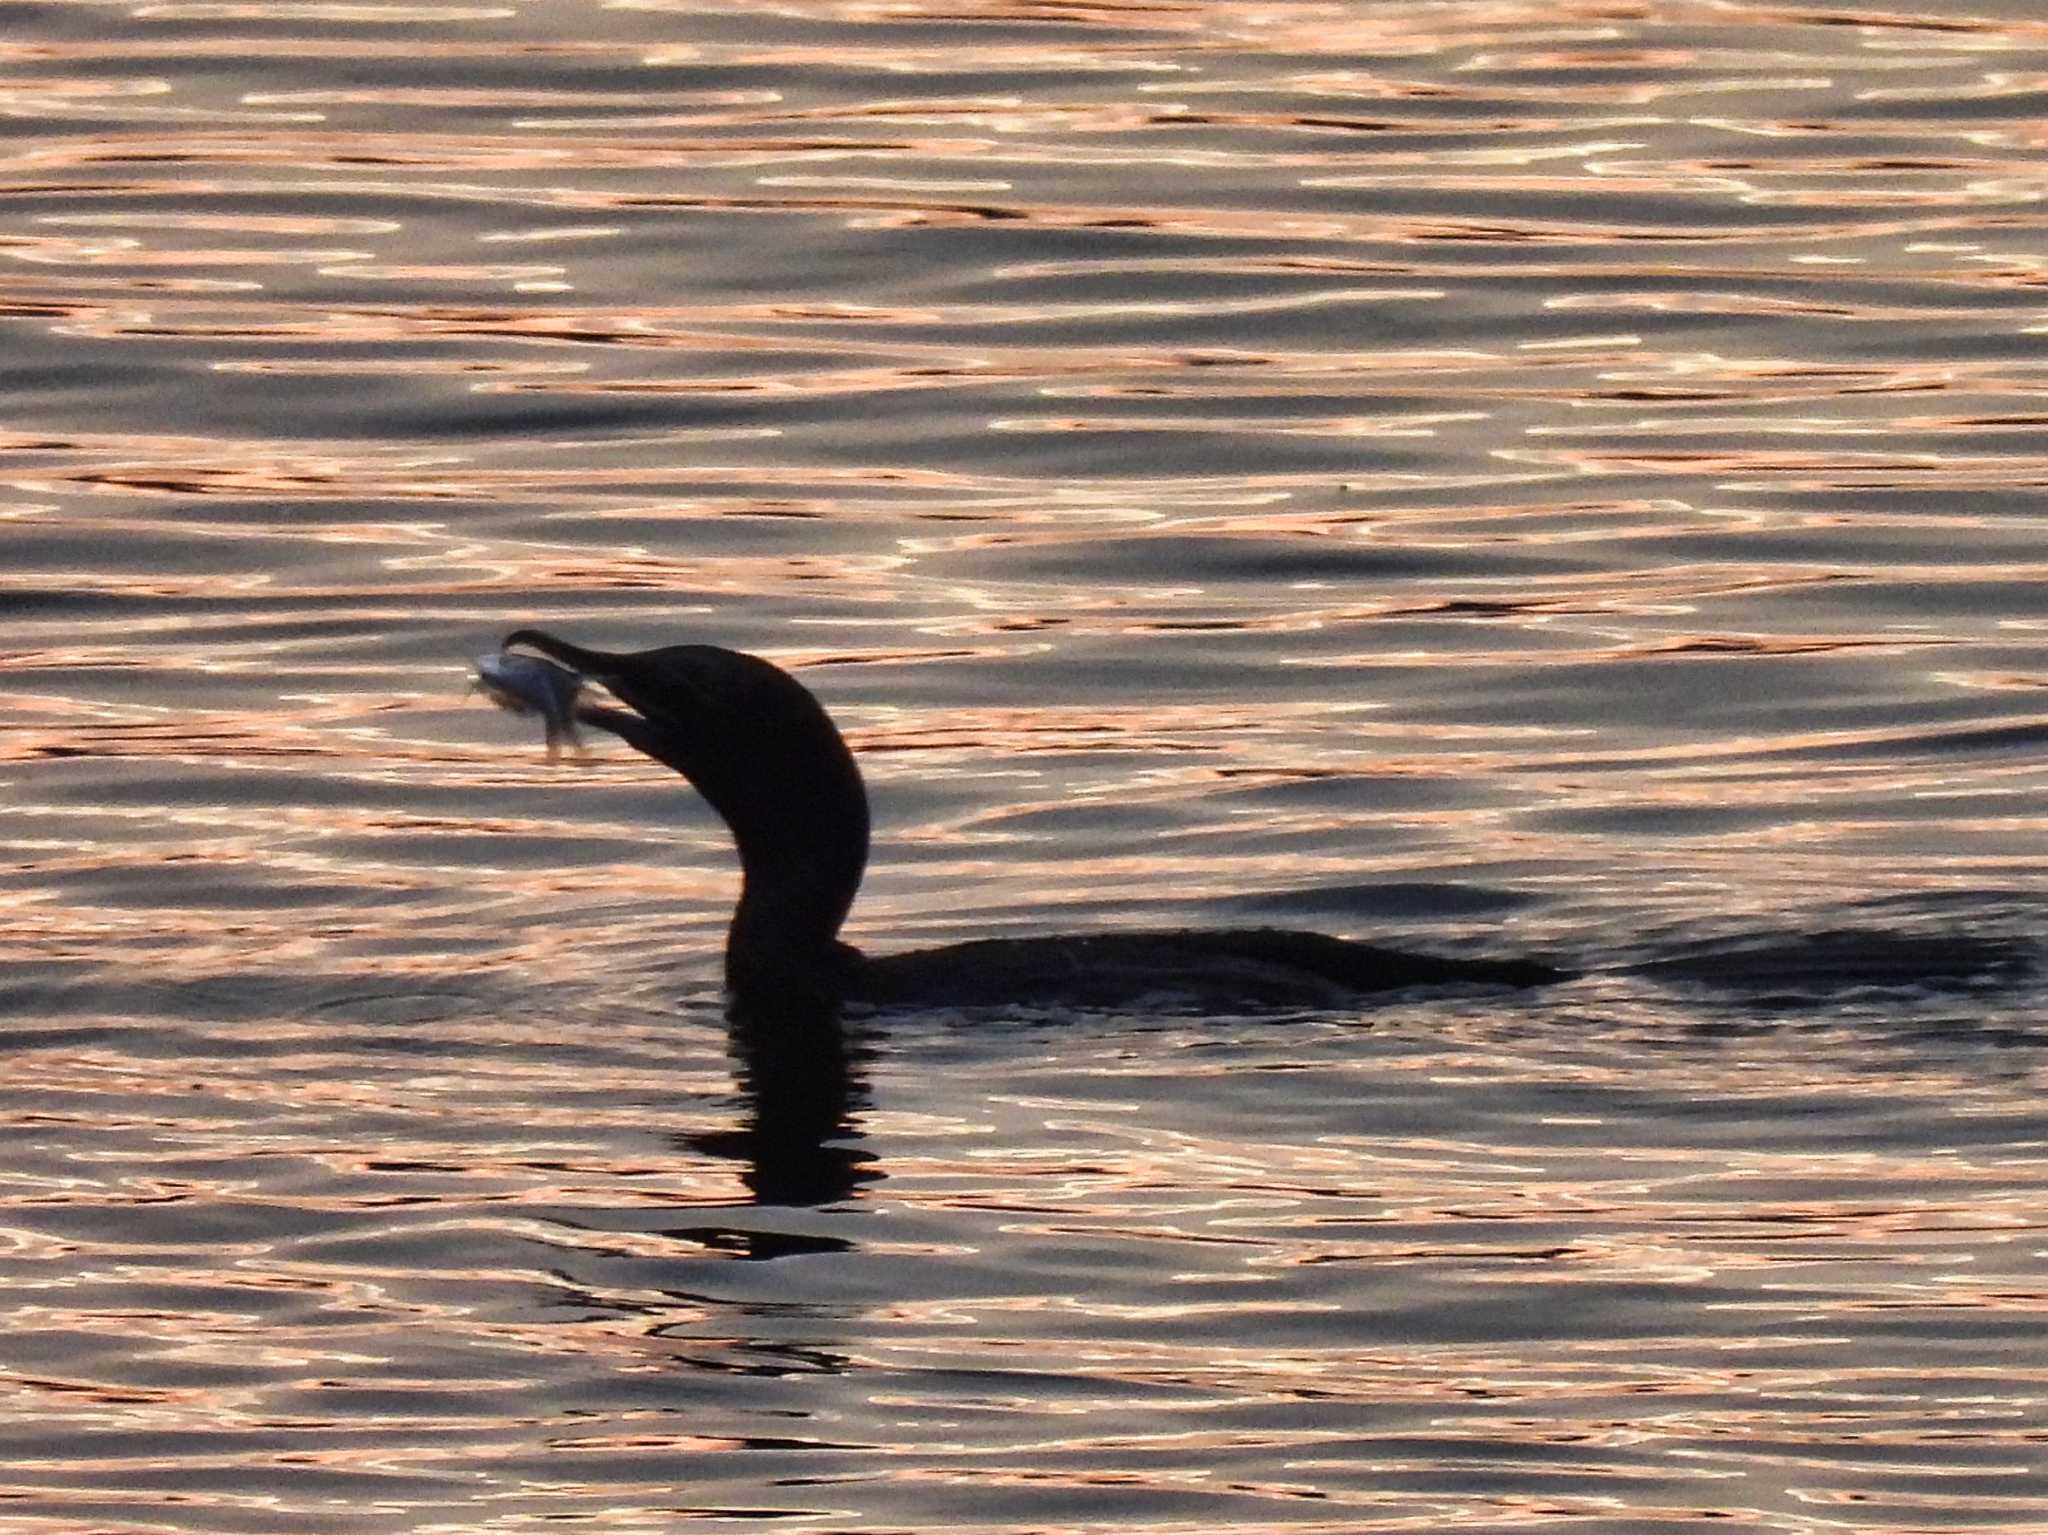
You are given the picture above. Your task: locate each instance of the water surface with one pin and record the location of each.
(1489, 477)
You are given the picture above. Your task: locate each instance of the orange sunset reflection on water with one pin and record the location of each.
(1480, 477)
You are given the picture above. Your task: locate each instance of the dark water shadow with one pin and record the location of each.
(1810, 969)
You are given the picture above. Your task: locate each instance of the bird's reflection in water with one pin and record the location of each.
(802, 1084)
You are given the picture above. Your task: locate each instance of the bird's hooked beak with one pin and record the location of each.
(607, 669)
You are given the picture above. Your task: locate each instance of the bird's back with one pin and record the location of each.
(1212, 970)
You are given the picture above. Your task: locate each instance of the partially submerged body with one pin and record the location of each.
(763, 753)
(1202, 970)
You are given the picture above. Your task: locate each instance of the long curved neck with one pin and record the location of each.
(784, 938)
(798, 812)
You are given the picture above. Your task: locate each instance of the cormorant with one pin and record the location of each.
(763, 753)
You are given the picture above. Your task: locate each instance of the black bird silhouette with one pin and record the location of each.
(763, 753)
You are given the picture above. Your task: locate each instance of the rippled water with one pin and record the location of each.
(1498, 477)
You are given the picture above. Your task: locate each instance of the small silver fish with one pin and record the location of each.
(531, 685)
